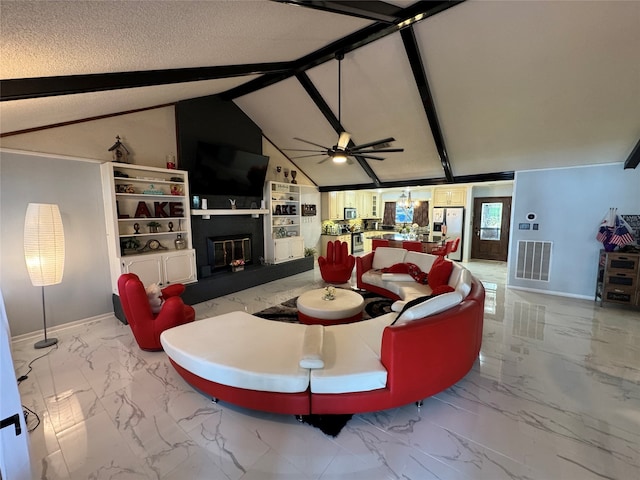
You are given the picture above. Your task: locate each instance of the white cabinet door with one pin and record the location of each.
(297, 247)
(281, 250)
(163, 269)
(179, 267)
(147, 267)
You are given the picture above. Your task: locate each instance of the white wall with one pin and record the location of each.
(149, 136)
(75, 186)
(570, 203)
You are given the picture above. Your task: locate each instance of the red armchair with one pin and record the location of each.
(378, 242)
(444, 250)
(337, 266)
(145, 325)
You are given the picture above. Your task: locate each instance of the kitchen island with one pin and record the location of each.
(396, 239)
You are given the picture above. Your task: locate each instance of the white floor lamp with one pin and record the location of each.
(44, 252)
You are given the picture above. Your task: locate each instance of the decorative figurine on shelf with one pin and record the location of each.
(233, 204)
(136, 227)
(170, 225)
(286, 175)
(119, 152)
(294, 174)
(180, 242)
(153, 227)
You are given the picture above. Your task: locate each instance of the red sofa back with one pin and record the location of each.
(426, 356)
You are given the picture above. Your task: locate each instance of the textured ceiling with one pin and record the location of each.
(516, 85)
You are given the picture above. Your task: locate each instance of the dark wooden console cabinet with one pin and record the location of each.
(618, 278)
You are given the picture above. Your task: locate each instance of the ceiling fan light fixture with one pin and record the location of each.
(339, 157)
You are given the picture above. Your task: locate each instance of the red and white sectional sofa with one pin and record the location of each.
(365, 366)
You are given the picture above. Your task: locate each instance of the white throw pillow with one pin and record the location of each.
(311, 356)
(464, 283)
(433, 305)
(384, 257)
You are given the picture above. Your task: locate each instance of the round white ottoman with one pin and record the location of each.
(345, 308)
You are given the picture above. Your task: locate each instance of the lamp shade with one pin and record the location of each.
(44, 244)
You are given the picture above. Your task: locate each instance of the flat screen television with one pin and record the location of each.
(225, 170)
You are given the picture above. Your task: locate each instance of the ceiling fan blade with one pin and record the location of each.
(311, 143)
(370, 157)
(349, 161)
(301, 150)
(386, 150)
(343, 141)
(324, 160)
(371, 144)
(307, 156)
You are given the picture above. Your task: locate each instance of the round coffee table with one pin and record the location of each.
(345, 308)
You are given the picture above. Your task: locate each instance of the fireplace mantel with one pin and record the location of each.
(228, 211)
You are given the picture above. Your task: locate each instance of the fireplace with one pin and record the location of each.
(222, 250)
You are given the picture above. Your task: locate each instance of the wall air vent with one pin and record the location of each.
(534, 260)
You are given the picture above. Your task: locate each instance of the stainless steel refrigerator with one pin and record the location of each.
(453, 218)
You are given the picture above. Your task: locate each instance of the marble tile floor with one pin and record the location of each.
(555, 394)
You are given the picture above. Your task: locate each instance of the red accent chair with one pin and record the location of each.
(444, 250)
(337, 266)
(378, 242)
(145, 325)
(456, 243)
(412, 245)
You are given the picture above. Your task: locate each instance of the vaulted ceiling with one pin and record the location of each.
(472, 91)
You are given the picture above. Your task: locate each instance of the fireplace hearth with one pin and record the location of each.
(222, 250)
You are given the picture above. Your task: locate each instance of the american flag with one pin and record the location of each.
(607, 227)
(622, 234)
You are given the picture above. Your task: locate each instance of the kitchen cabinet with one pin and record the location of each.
(332, 205)
(350, 199)
(148, 222)
(445, 197)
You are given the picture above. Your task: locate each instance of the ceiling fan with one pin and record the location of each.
(345, 148)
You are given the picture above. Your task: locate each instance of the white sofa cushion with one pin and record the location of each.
(397, 277)
(241, 350)
(375, 278)
(351, 355)
(463, 286)
(386, 256)
(424, 261)
(311, 356)
(429, 307)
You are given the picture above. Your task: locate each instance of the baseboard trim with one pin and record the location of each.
(552, 292)
(59, 328)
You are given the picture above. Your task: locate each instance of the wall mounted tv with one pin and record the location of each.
(225, 170)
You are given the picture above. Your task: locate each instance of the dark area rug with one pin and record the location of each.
(328, 424)
(374, 306)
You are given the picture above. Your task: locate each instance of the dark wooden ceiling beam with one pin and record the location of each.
(37, 87)
(422, 83)
(634, 157)
(425, 182)
(367, 9)
(347, 44)
(324, 108)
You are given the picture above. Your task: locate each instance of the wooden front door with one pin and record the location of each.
(491, 217)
